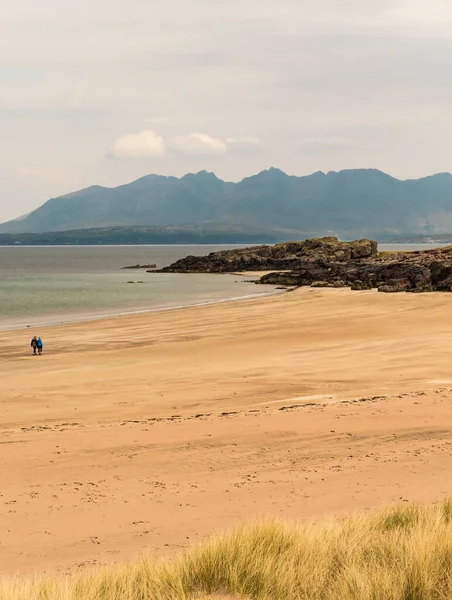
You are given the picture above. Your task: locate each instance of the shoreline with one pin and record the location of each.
(149, 433)
(70, 320)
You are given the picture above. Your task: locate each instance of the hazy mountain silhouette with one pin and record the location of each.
(360, 202)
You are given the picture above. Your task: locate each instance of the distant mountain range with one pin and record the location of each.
(349, 204)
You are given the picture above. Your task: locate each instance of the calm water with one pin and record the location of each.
(61, 283)
(54, 284)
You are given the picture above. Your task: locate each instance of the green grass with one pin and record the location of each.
(402, 553)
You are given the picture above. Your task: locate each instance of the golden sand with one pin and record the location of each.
(147, 433)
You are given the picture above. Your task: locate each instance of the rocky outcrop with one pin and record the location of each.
(422, 271)
(326, 262)
(141, 267)
(286, 256)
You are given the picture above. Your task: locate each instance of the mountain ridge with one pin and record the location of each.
(367, 202)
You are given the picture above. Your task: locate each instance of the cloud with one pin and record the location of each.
(420, 12)
(245, 147)
(246, 141)
(199, 143)
(203, 144)
(149, 144)
(144, 144)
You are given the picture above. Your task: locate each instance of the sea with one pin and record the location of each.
(46, 285)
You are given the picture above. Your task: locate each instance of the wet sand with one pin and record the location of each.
(147, 433)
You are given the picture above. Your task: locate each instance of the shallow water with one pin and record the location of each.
(51, 284)
(62, 283)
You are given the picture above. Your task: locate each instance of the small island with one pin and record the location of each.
(140, 267)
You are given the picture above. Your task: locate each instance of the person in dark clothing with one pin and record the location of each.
(34, 344)
(40, 345)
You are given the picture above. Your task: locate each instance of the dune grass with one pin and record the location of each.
(402, 553)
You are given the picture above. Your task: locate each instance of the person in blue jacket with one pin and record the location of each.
(40, 345)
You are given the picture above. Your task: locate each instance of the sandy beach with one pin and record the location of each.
(144, 434)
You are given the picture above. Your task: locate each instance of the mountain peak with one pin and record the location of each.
(274, 172)
(83, 191)
(201, 176)
(353, 202)
(271, 174)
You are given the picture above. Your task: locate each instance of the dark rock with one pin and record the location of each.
(390, 289)
(421, 289)
(140, 267)
(281, 257)
(361, 285)
(441, 275)
(363, 248)
(326, 262)
(286, 279)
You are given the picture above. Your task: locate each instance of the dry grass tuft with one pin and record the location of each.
(403, 553)
(221, 597)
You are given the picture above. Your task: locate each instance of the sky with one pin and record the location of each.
(106, 91)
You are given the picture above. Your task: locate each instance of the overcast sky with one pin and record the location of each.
(105, 91)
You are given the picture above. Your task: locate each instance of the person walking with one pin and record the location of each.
(39, 345)
(34, 344)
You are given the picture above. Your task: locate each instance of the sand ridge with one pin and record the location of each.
(147, 433)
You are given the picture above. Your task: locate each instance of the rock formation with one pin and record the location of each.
(286, 256)
(326, 262)
(141, 267)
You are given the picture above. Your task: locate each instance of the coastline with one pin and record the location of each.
(147, 433)
(69, 320)
(62, 319)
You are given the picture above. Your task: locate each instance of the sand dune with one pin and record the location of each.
(146, 433)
